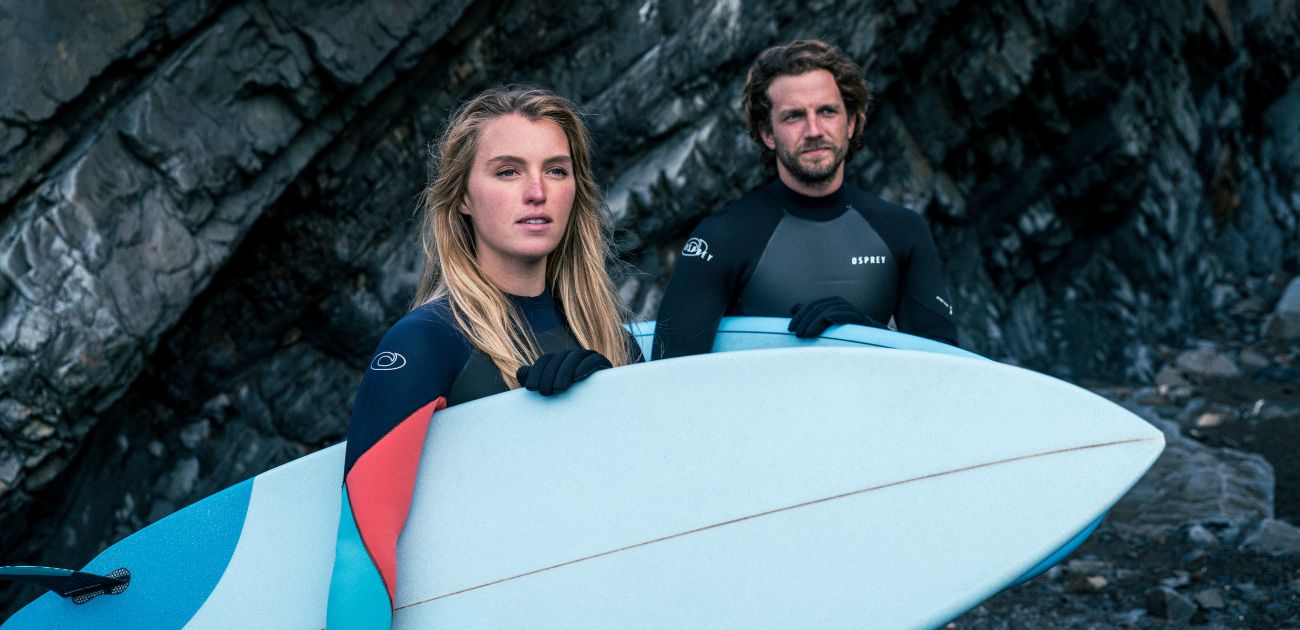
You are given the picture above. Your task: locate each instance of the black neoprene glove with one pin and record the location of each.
(815, 317)
(557, 371)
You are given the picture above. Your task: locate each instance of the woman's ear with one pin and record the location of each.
(463, 207)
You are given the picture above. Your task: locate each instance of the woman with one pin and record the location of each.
(514, 290)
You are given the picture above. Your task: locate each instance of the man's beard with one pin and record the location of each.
(811, 175)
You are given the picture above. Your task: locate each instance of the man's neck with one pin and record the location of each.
(813, 189)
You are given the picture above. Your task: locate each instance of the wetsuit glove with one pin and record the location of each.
(815, 317)
(557, 371)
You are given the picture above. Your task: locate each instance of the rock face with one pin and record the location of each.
(205, 207)
(1193, 483)
(1284, 321)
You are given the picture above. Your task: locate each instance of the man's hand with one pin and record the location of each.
(812, 319)
(555, 372)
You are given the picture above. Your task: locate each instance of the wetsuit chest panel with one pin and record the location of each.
(805, 260)
(480, 376)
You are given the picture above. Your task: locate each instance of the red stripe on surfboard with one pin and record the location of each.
(775, 511)
(380, 486)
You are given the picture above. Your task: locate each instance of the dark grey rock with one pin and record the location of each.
(1169, 604)
(1284, 322)
(1208, 363)
(1170, 376)
(1201, 536)
(1081, 566)
(1132, 617)
(194, 435)
(1194, 484)
(1282, 120)
(1178, 580)
(1252, 361)
(1273, 537)
(1086, 584)
(1209, 599)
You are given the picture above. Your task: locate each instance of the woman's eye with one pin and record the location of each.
(507, 172)
(559, 171)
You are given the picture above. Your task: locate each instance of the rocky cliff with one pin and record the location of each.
(206, 207)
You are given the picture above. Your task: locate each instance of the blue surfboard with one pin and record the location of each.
(736, 489)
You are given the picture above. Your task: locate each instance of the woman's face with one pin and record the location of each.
(521, 191)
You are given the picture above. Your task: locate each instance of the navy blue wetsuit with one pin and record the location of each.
(423, 364)
(774, 248)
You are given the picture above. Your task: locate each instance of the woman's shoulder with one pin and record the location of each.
(429, 326)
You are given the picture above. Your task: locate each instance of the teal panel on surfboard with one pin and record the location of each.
(810, 486)
(191, 548)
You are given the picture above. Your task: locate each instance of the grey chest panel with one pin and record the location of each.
(805, 260)
(480, 377)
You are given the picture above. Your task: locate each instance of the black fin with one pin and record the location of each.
(78, 586)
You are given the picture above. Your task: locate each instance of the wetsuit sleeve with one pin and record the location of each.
(407, 382)
(701, 287)
(924, 306)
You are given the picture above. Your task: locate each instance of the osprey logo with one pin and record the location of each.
(388, 361)
(698, 248)
(867, 260)
(944, 303)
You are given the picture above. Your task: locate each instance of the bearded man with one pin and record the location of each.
(806, 245)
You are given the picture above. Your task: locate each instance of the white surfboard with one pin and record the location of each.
(810, 487)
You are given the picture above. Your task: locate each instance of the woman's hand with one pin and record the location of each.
(557, 371)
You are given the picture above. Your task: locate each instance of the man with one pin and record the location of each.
(806, 245)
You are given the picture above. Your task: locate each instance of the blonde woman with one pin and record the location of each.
(514, 291)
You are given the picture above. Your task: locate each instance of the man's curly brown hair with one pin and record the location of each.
(798, 57)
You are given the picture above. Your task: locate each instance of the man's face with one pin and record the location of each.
(810, 129)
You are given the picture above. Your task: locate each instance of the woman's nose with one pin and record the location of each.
(535, 191)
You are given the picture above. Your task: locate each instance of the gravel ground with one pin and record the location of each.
(1193, 575)
(1127, 579)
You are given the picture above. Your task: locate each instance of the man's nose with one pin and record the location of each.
(812, 126)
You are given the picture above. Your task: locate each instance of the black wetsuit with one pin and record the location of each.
(424, 363)
(774, 248)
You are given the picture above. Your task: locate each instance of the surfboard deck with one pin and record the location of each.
(757, 333)
(762, 491)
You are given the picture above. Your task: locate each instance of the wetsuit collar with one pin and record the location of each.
(538, 311)
(526, 302)
(822, 208)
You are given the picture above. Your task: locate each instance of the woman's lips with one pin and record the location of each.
(535, 222)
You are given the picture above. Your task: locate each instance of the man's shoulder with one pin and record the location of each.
(873, 207)
(751, 206)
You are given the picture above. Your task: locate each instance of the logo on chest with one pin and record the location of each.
(697, 247)
(868, 260)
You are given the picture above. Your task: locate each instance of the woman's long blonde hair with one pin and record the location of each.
(575, 271)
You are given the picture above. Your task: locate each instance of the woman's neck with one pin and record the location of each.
(523, 278)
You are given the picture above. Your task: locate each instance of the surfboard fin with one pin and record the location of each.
(78, 586)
